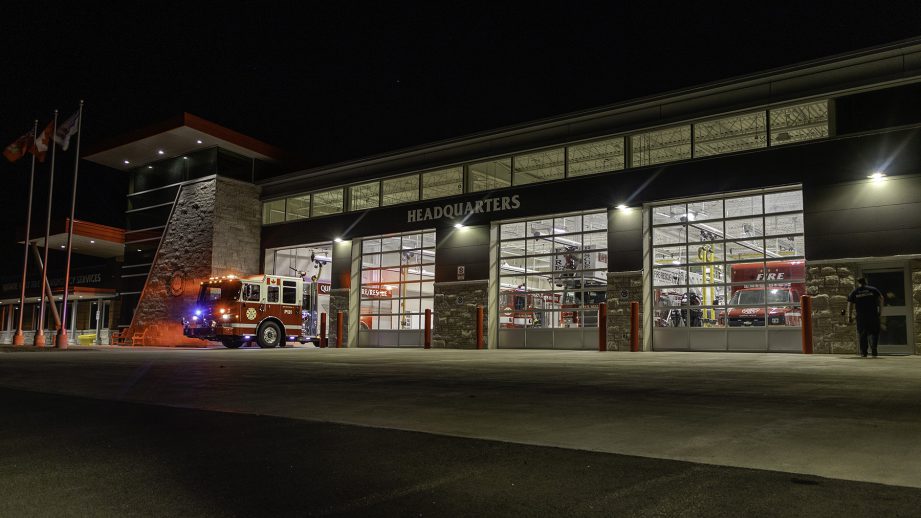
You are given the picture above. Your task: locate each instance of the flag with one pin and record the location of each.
(42, 141)
(66, 130)
(18, 148)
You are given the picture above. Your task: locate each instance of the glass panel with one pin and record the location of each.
(541, 166)
(671, 276)
(511, 231)
(742, 250)
(893, 330)
(327, 202)
(441, 183)
(706, 253)
(745, 317)
(705, 274)
(891, 284)
(786, 224)
(750, 273)
(676, 234)
(744, 228)
(669, 214)
(705, 210)
(511, 249)
(596, 157)
(670, 255)
(730, 134)
(298, 207)
(567, 225)
(273, 212)
(596, 221)
(786, 246)
(595, 241)
(364, 196)
(747, 206)
(665, 145)
(540, 227)
(539, 246)
(400, 190)
(486, 176)
(799, 122)
(705, 232)
(783, 201)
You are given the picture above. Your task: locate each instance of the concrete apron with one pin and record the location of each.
(828, 415)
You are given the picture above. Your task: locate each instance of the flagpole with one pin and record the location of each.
(19, 338)
(40, 332)
(62, 332)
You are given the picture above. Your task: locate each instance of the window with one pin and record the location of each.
(364, 196)
(271, 294)
(250, 292)
(799, 122)
(327, 202)
(273, 212)
(735, 262)
(665, 145)
(445, 182)
(730, 134)
(596, 157)
(539, 167)
(404, 189)
(298, 207)
(289, 292)
(489, 175)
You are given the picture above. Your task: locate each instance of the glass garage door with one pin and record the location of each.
(397, 286)
(552, 276)
(728, 273)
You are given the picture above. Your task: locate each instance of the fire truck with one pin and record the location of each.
(269, 310)
(781, 296)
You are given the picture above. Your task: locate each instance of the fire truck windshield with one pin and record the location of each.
(225, 291)
(756, 296)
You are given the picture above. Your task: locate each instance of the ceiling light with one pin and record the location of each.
(159, 151)
(92, 241)
(62, 246)
(127, 162)
(185, 158)
(139, 249)
(150, 167)
(198, 141)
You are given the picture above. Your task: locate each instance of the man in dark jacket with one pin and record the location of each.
(868, 301)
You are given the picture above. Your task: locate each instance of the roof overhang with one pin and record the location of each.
(90, 239)
(175, 137)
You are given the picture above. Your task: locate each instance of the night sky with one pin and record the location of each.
(332, 83)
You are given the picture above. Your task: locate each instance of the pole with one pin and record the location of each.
(62, 332)
(40, 332)
(634, 326)
(322, 330)
(338, 329)
(54, 309)
(806, 310)
(479, 326)
(602, 327)
(427, 337)
(19, 338)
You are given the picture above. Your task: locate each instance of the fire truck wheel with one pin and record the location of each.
(269, 335)
(232, 343)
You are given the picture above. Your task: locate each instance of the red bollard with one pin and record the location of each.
(479, 326)
(806, 312)
(338, 330)
(322, 329)
(603, 327)
(634, 326)
(428, 329)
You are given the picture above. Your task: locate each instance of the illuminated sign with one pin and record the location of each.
(376, 293)
(461, 209)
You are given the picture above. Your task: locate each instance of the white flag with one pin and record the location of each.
(66, 130)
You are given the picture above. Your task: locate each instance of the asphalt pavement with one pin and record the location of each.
(659, 434)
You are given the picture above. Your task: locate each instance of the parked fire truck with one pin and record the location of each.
(781, 295)
(269, 310)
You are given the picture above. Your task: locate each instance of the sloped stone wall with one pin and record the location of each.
(237, 226)
(829, 285)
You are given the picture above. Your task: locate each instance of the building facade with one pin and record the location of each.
(715, 207)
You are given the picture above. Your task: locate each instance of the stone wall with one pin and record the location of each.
(620, 284)
(183, 261)
(916, 297)
(338, 301)
(454, 314)
(829, 285)
(237, 227)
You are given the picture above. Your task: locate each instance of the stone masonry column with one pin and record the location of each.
(338, 301)
(623, 288)
(829, 284)
(454, 314)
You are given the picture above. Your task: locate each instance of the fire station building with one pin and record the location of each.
(715, 207)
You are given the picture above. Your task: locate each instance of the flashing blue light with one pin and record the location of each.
(198, 312)
(247, 337)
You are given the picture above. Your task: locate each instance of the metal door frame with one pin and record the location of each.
(905, 268)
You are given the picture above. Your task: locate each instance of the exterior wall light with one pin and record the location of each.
(338, 240)
(877, 176)
(458, 225)
(622, 207)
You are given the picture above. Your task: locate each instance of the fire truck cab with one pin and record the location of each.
(270, 310)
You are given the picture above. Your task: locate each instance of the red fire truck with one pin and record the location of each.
(781, 295)
(269, 310)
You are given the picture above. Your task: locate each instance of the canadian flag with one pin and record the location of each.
(42, 141)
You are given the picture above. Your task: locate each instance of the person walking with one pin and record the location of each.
(868, 302)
